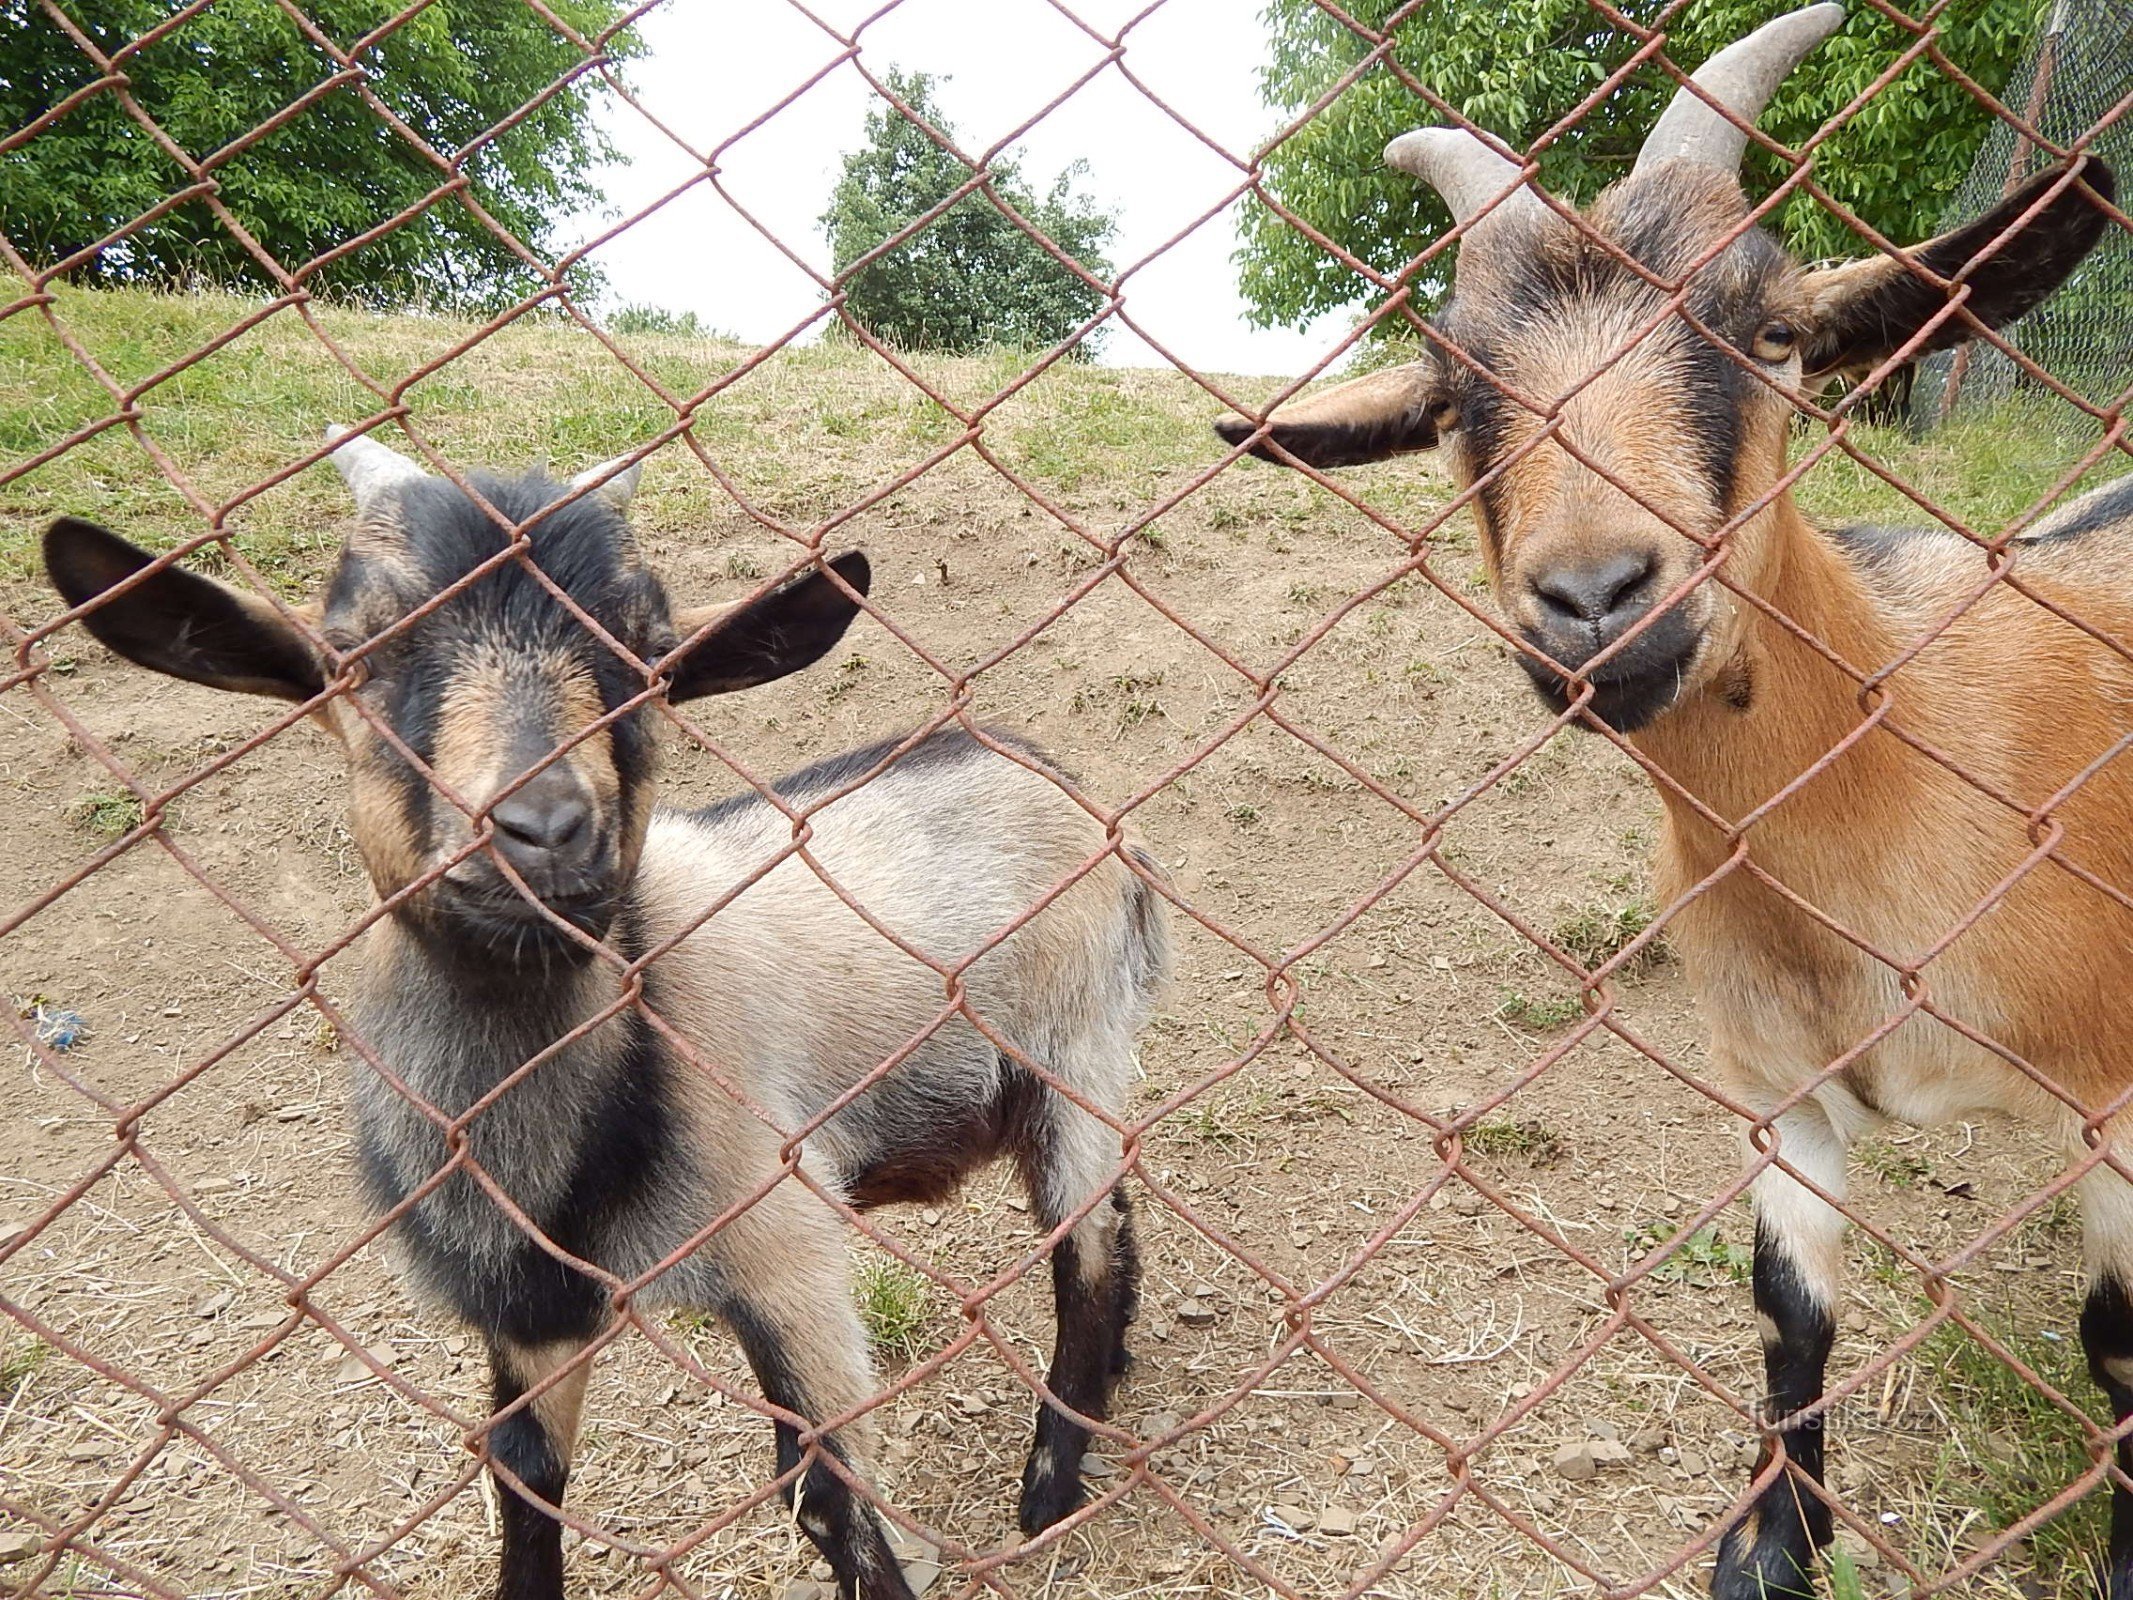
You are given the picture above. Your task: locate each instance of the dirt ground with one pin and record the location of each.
(1271, 1182)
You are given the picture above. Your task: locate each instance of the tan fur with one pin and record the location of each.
(733, 984)
(2021, 975)
(558, 1408)
(495, 695)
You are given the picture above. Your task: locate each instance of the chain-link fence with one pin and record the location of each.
(2079, 69)
(1445, 1256)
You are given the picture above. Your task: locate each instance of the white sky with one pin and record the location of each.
(711, 68)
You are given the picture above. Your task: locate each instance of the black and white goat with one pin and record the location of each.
(617, 1147)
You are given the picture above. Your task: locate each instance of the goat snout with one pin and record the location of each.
(546, 823)
(1581, 606)
(1601, 597)
(547, 831)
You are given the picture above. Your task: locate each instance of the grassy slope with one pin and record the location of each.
(803, 436)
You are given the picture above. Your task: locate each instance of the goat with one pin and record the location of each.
(621, 1148)
(1625, 450)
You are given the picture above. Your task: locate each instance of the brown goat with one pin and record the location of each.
(1627, 452)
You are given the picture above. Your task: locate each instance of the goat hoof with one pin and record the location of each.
(1755, 1562)
(1051, 1490)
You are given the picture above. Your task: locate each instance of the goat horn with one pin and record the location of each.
(617, 483)
(369, 468)
(1464, 170)
(1742, 78)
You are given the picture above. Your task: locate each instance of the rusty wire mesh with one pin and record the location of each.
(1415, 1250)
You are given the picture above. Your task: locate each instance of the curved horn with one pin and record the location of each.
(369, 468)
(1464, 170)
(617, 483)
(1742, 78)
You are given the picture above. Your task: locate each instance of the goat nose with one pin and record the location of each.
(1596, 592)
(546, 819)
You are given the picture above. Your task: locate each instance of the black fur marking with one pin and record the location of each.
(944, 748)
(930, 1164)
(624, 1156)
(1771, 1552)
(1088, 1353)
(2107, 1337)
(841, 1525)
(1871, 325)
(1874, 547)
(2096, 511)
(1545, 281)
(532, 1564)
(1633, 687)
(177, 622)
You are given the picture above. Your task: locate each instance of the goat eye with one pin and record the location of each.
(1443, 416)
(1775, 341)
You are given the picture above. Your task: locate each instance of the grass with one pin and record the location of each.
(895, 1306)
(1598, 932)
(20, 1361)
(1539, 1014)
(804, 433)
(1703, 1260)
(2010, 1449)
(1523, 1137)
(1892, 1164)
(1845, 1581)
(107, 814)
(1227, 1116)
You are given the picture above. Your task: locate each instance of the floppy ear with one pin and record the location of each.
(178, 622)
(1388, 413)
(1864, 311)
(767, 638)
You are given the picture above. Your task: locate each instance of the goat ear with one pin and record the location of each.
(769, 637)
(178, 622)
(1864, 311)
(1388, 413)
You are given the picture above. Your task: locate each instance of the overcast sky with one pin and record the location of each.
(711, 70)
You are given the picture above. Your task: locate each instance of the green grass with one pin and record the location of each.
(895, 1306)
(1901, 1168)
(1983, 470)
(1523, 1137)
(1845, 1582)
(1703, 1260)
(801, 435)
(2010, 1449)
(1599, 931)
(107, 814)
(20, 1361)
(1539, 1014)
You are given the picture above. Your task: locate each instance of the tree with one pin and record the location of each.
(1518, 70)
(971, 277)
(330, 173)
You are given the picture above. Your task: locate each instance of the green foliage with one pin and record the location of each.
(331, 172)
(970, 278)
(635, 319)
(1518, 71)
